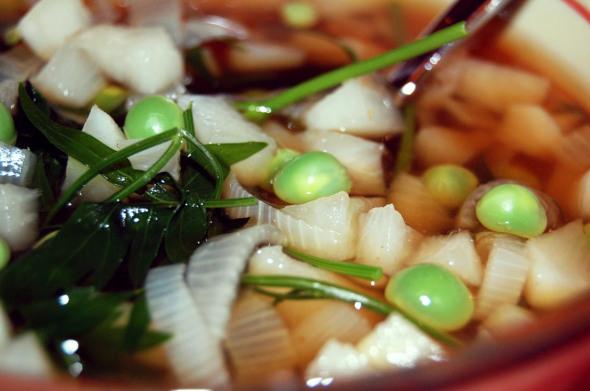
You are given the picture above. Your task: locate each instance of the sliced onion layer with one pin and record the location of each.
(505, 273)
(196, 358)
(258, 341)
(214, 270)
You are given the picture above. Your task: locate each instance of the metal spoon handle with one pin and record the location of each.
(476, 13)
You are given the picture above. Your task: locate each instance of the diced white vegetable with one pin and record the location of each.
(384, 239)
(455, 252)
(214, 270)
(258, 342)
(103, 127)
(250, 56)
(335, 320)
(148, 13)
(442, 145)
(398, 343)
(216, 121)
(560, 266)
(499, 86)
(70, 78)
(49, 23)
(505, 274)
(210, 28)
(5, 328)
(506, 318)
(18, 216)
(336, 360)
(24, 355)
(360, 106)
(417, 206)
(530, 129)
(145, 159)
(143, 59)
(362, 158)
(330, 233)
(195, 356)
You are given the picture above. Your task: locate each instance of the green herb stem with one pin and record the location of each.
(230, 203)
(107, 162)
(366, 272)
(258, 111)
(306, 288)
(151, 172)
(214, 165)
(405, 155)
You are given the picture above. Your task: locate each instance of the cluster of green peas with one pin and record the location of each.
(429, 293)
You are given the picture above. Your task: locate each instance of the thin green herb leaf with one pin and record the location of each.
(92, 242)
(107, 162)
(147, 225)
(137, 326)
(187, 229)
(258, 111)
(366, 272)
(231, 153)
(164, 190)
(230, 203)
(76, 144)
(320, 289)
(405, 155)
(200, 154)
(150, 173)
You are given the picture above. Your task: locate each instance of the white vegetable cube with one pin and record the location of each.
(359, 106)
(18, 216)
(103, 127)
(26, 356)
(336, 360)
(507, 318)
(560, 266)
(143, 59)
(383, 239)
(70, 78)
(362, 158)
(455, 252)
(216, 121)
(398, 343)
(49, 23)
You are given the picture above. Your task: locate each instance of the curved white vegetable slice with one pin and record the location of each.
(216, 121)
(18, 216)
(336, 360)
(360, 106)
(214, 270)
(49, 23)
(258, 342)
(325, 227)
(149, 13)
(143, 59)
(196, 358)
(505, 274)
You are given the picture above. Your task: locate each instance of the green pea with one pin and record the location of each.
(7, 130)
(449, 184)
(431, 295)
(110, 98)
(512, 209)
(4, 253)
(280, 159)
(310, 176)
(152, 115)
(299, 14)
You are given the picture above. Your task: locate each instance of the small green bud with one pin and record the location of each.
(152, 115)
(449, 184)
